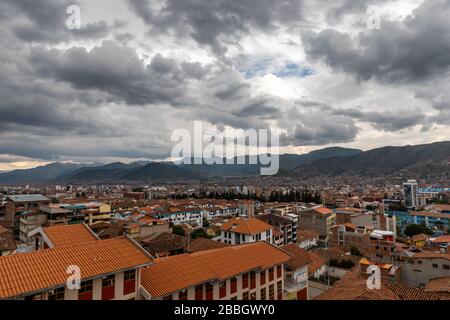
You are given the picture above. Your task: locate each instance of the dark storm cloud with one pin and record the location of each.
(412, 50)
(118, 71)
(214, 22)
(45, 21)
(386, 121)
(318, 126)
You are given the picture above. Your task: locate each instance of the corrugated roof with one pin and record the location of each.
(45, 269)
(28, 198)
(175, 273)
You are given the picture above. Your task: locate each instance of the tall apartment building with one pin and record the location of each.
(284, 224)
(245, 230)
(411, 194)
(246, 272)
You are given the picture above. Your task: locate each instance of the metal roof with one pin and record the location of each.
(28, 198)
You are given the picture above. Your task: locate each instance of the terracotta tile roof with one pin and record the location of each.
(317, 262)
(307, 234)
(440, 285)
(441, 207)
(7, 242)
(203, 244)
(431, 255)
(178, 272)
(409, 293)
(353, 286)
(300, 257)
(323, 210)
(45, 269)
(165, 242)
(65, 235)
(250, 226)
(442, 239)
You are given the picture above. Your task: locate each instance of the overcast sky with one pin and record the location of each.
(138, 69)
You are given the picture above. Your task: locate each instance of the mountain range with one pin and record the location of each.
(423, 160)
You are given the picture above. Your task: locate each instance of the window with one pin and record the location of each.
(280, 290)
(183, 295)
(57, 294)
(253, 296)
(263, 294)
(199, 292)
(108, 281)
(271, 274)
(271, 292)
(233, 298)
(419, 262)
(209, 291)
(222, 289)
(252, 279)
(435, 265)
(279, 271)
(245, 295)
(262, 277)
(233, 285)
(169, 297)
(85, 286)
(268, 234)
(446, 266)
(129, 275)
(34, 297)
(244, 280)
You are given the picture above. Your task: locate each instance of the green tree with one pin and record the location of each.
(414, 229)
(178, 230)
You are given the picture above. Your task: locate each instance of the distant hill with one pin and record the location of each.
(383, 161)
(39, 174)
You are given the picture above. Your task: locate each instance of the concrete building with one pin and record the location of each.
(255, 272)
(245, 230)
(320, 219)
(284, 224)
(418, 268)
(113, 275)
(296, 273)
(19, 205)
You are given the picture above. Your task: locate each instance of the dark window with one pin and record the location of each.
(263, 294)
(199, 292)
(279, 271)
(233, 284)
(252, 279)
(129, 275)
(435, 265)
(222, 289)
(57, 294)
(245, 280)
(446, 266)
(245, 295)
(253, 296)
(183, 295)
(86, 286)
(209, 291)
(270, 274)
(419, 261)
(108, 281)
(280, 290)
(271, 292)
(262, 277)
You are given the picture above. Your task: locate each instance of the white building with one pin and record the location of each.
(245, 230)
